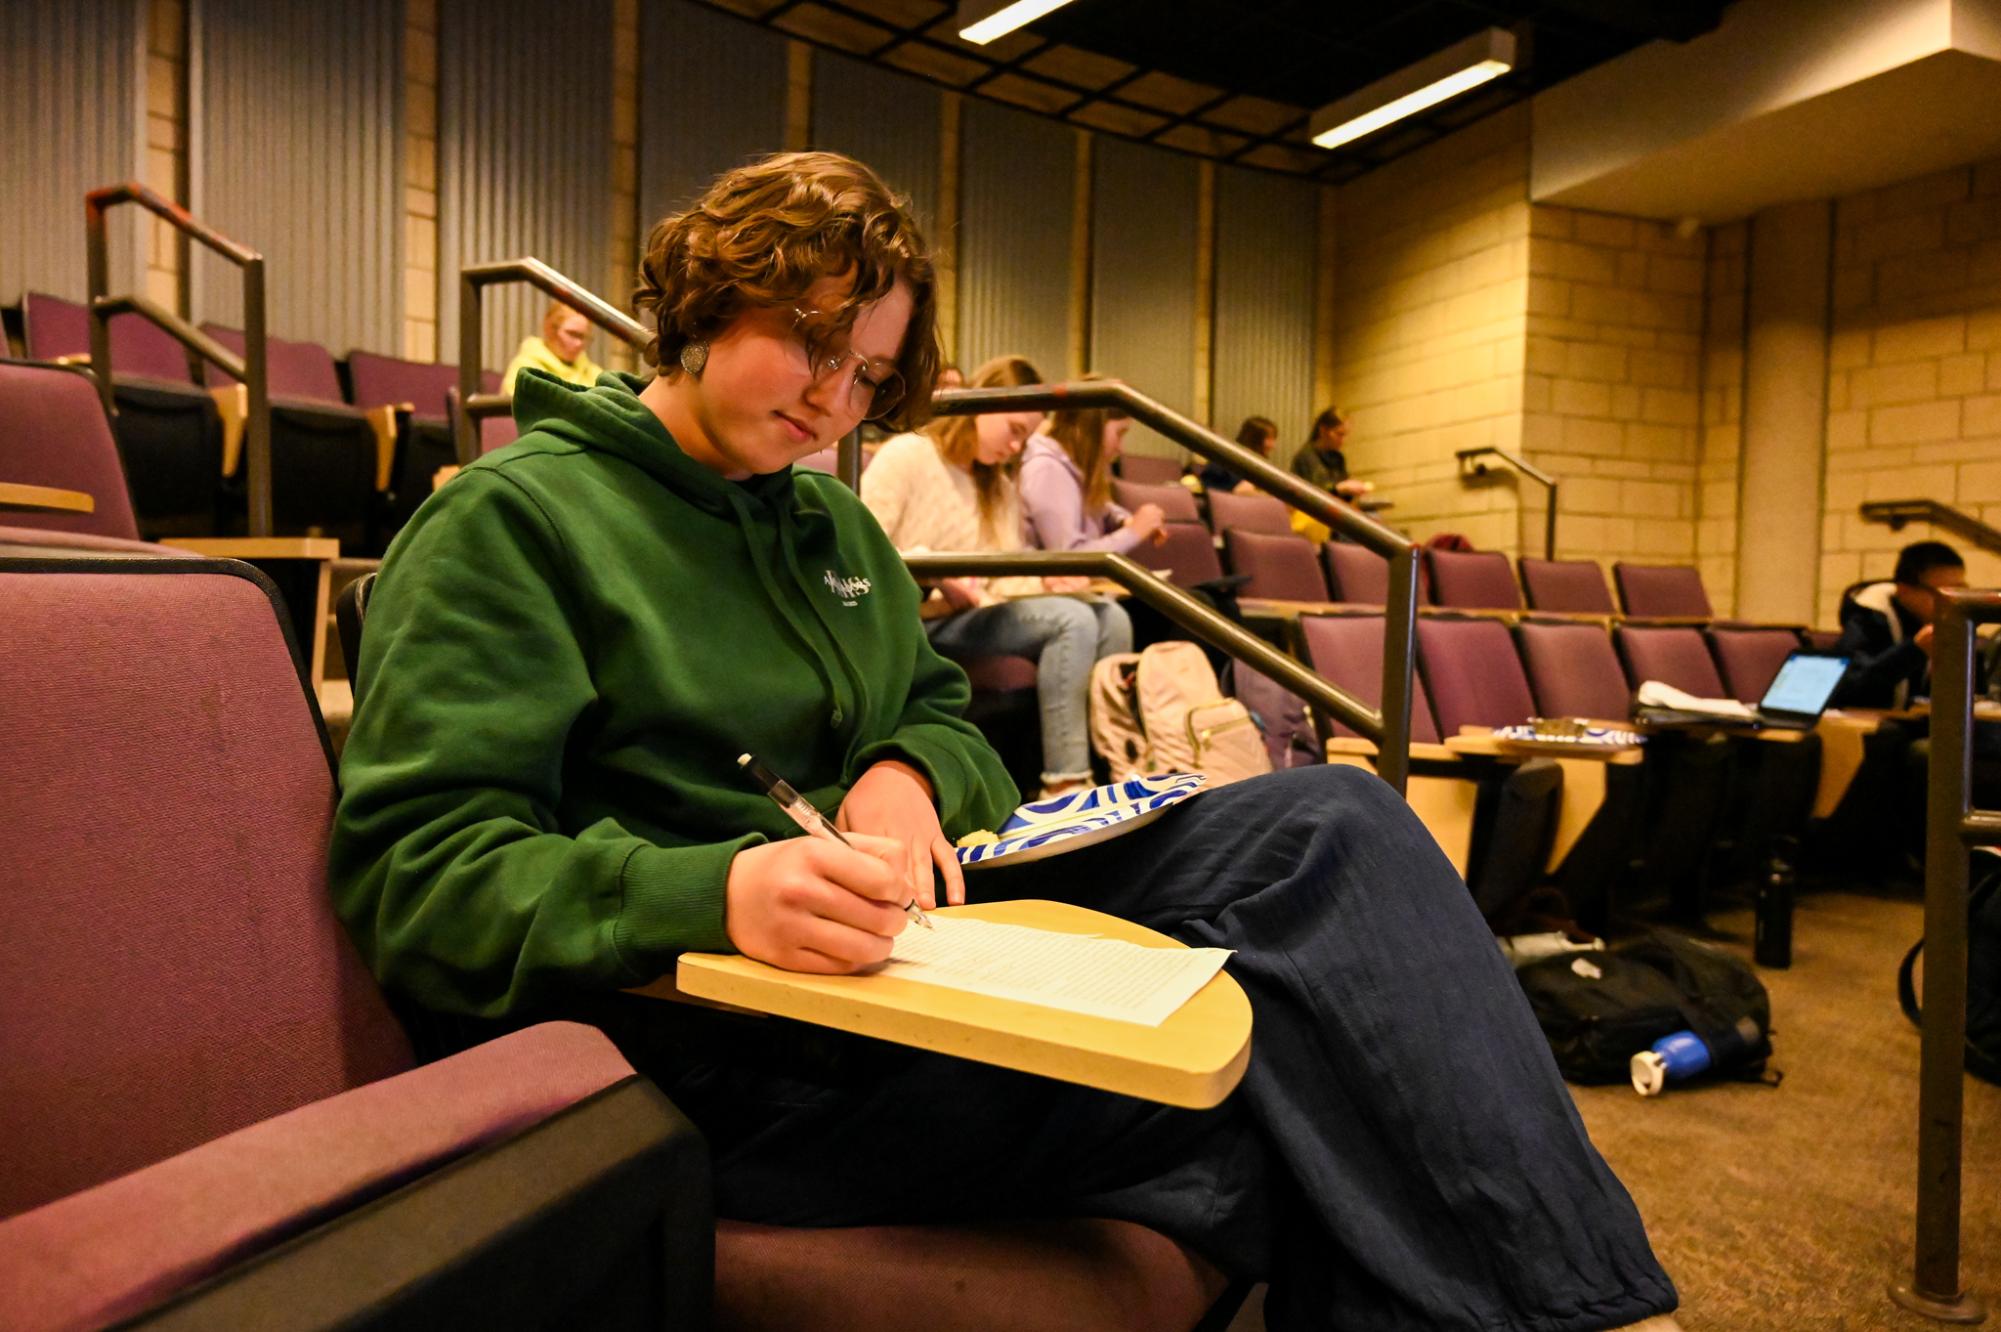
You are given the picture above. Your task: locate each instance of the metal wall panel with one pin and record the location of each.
(711, 96)
(524, 155)
(1143, 205)
(886, 120)
(1017, 194)
(297, 152)
(1263, 349)
(72, 91)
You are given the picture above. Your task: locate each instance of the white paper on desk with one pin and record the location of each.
(1659, 694)
(1078, 973)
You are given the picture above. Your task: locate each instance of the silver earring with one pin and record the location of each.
(694, 355)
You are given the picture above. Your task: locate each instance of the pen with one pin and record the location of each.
(803, 812)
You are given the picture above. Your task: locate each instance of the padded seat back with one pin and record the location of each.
(173, 971)
(1174, 500)
(55, 327)
(303, 370)
(379, 380)
(1281, 566)
(53, 432)
(1149, 469)
(1472, 579)
(1750, 656)
(1566, 585)
(1574, 671)
(1348, 649)
(1357, 574)
(1661, 589)
(1472, 673)
(1250, 513)
(1186, 551)
(1672, 654)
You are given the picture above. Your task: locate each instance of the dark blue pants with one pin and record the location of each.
(1401, 1153)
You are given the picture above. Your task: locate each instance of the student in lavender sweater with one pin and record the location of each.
(1066, 484)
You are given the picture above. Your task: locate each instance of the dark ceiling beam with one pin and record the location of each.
(1673, 20)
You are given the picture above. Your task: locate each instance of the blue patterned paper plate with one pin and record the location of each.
(1589, 737)
(1083, 818)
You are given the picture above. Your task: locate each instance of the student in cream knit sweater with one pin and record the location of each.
(951, 487)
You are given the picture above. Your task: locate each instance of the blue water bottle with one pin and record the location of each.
(1673, 1058)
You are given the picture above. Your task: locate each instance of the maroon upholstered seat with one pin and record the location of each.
(1348, 649)
(1661, 589)
(1750, 656)
(495, 432)
(1359, 575)
(1674, 655)
(1472, 579)
(210, 1071)
(1251, 513)
(53, 432)
(1148, 469)
(1186, 551)
(1174, 500)
(1823, 640)
(379, 380)
(1574, 671)
(1566, 585)
(1472, 673)
(53, 327)
(1279, 565)
(301, 370)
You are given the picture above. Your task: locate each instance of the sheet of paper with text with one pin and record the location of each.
(1107, 978)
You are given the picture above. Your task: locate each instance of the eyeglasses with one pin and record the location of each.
(873, 392)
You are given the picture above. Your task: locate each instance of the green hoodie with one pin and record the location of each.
(567, 649)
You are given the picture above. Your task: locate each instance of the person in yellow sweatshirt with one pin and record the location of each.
(559, 351)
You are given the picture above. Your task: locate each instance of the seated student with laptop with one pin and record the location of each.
(572, 642)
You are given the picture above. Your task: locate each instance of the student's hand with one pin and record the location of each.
(1062, 584)
(1350, 488)
(893, 800)
(1923, 640)
(811, 904)
(1146, 520)
(962, 593)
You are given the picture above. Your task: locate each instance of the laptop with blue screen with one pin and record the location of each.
(1797, 696)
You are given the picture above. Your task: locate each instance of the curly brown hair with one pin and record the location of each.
(765, 232)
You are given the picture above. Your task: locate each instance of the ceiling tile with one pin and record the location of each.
(1020, 90)
(818, 24)
(1116, 119)
(933, 63)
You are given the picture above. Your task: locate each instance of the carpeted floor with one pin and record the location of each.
(1787, 1208)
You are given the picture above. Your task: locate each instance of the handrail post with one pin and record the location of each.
(97, 258)
(1399, 659)
(257, 386)
(1469, 467)
(465, 430)
(1934, 1288)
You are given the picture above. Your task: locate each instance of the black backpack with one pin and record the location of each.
(1599, 1009)
(1983, 972)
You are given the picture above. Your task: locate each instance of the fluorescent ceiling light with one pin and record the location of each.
(980, 21)
(1434, 79)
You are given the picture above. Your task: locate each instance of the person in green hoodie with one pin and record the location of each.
(572, 641)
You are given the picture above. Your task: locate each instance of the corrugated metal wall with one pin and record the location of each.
(711, 96)
(1017, 194)
(524, 154)
(1263, 357)
(297, 152)
(886, 120)
(72, 91)
(1143, 204)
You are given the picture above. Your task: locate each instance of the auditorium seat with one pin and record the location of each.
(1149, 469)
(45, 411)
(1358, 575)
(1573, 670)
(1186, 553)
(1249, 513)
(1572, 586)
(1750, 656)
(495, 432)
(213, 1105)
(1174, 501)
(325, 454)
(1661, 591)
(168, 430)
(423, 433)
(1348, 649)
(1279, 566)
(1472, 580)
(1674, 655)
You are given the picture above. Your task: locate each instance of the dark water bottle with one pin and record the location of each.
(1772, 945)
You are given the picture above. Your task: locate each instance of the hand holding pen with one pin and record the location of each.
(808, 816)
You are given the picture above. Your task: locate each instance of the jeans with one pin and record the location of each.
(1401, 1155)
(1064, 637)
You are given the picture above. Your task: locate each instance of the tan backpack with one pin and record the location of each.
(1161, 710)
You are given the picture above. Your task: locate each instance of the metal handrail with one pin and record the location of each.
(248, 368)
(1471, 465)
(1388, 726)
(1951, 825)
(1895, 513)
(474, 279)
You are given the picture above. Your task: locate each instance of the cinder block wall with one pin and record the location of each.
(1914, 362)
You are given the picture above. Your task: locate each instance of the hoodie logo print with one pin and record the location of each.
(849, 590)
